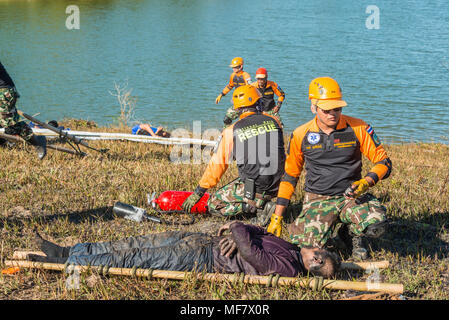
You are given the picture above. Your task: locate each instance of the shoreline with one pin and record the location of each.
(90, 125)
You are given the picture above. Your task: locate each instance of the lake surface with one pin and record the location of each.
(174, 55)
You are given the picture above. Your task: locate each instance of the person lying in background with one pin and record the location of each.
(53, 123)
(247, 248)
(146, 129)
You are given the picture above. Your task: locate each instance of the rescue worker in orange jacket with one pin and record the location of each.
(238, 78)
(268, 89)
(330, 148)
(256, 142)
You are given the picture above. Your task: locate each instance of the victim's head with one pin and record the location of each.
(320, 262)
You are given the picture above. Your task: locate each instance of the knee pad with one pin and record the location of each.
(247, 208)
(375, 230)
(227, 120)
(12, 130)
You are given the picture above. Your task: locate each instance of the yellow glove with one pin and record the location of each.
(218, 98)
(275, 226)
(357, 188)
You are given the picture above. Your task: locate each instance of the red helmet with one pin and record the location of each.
(261, 73)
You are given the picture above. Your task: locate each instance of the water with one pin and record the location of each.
(175, 56)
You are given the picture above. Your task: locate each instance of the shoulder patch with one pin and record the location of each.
(373, 136)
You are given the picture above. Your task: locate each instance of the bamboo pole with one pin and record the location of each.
(367, 265)
(315, 283)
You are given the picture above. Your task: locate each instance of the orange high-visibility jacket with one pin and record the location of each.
(332, 162)
(256, 142)
(236, 80)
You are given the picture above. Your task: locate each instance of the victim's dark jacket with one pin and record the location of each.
(258, 252)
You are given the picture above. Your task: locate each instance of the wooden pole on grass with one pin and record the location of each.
(315, 283)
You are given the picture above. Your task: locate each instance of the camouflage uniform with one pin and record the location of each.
(230, 114)
(228, 200)
(9, 118)
(320, 214)
(277, 115)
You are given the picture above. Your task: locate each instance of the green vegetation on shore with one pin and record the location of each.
(69, 199)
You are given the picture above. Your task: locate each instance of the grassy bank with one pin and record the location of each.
(69, 200)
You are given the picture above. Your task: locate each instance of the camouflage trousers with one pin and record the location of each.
(228, 201)
(232, 114)
(9, 118)
(320, 214)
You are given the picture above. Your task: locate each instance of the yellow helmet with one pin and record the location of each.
(245, 96)
(237, 61)
(326, 93)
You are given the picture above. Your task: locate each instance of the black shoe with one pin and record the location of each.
(40, 143)
(46, 259)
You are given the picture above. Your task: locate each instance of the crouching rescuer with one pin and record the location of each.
(9, 118)
(256, 143)
(330, 148)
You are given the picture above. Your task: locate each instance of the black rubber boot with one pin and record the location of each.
(46, 259)
(340, 240)
(40, 143)
(263, 215)
(359, 251)
(49, 248)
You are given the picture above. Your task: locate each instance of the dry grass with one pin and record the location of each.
(69, 200)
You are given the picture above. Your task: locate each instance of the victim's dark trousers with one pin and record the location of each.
(172, 250)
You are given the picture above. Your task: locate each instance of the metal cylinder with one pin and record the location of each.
(128, 211)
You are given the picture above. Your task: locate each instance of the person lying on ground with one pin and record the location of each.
(146, 129)
(247, 248)
(53, 123)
